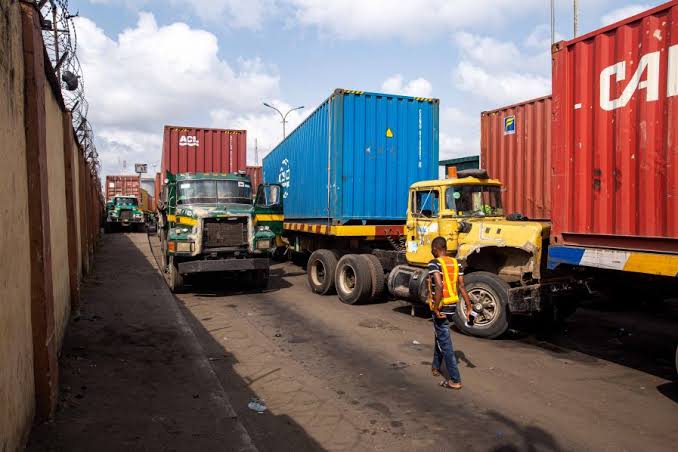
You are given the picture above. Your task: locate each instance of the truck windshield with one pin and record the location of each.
(126, 201)
(474, 200)
(214, 192)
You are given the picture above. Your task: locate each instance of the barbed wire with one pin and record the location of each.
(61, 43)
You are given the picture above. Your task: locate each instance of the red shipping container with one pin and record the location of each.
(515, 147)
(615, 135)
(200, 150)
(122, 186)
(256, 176)
(158, 190)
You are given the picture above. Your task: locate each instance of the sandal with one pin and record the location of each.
(449, 384)
(435, 372)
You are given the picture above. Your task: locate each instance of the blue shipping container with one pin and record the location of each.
(354, 158)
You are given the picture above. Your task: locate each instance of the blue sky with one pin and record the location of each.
(213, 62)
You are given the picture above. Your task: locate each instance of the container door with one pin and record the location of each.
(422, 225)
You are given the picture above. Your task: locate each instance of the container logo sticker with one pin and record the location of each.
(188, 140)
(284, 177)
(510, 125)
(389, 133)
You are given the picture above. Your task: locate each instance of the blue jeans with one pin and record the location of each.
(443, 350)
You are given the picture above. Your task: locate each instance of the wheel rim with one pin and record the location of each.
(347, 279)
(485, 304)
(318, 273)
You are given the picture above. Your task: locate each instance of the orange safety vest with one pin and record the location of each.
(450, 270)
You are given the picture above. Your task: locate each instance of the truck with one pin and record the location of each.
(362, 204)
(206, 209)
(122, 203)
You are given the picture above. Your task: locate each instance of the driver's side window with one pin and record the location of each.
(268, 195)
(427, 203)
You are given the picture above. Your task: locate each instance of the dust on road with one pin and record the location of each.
(358, 377)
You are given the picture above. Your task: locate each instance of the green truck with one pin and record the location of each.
(124, 211)
(208, 224)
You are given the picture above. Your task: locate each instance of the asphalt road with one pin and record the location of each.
(338, 377)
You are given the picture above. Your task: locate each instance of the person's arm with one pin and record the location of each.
(437, 298)
(465, 296)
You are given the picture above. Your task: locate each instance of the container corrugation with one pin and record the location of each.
(201, 150)
(256, 176)
(146, 202)
(515, 147)
(157, 190)
(615, 135)
(354, 158)
(122, 186)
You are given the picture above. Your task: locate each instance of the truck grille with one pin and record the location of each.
(224, 232)
(125, 215)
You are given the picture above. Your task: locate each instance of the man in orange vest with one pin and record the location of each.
(446, 280)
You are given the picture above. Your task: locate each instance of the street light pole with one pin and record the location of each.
(283, 117)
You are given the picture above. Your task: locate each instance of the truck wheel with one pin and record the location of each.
(176, 281)
(377, 274)
(163, 254)
(260, 279)
(353, 279)
(320, 271)
(489, 295)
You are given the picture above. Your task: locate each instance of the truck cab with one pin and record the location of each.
(208, 225)
(123, 211)
(504, 256)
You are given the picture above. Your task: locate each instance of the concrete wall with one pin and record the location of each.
(57, 211)
(16, 346)
(36, 277)
(78, 205)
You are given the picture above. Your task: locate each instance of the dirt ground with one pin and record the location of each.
(358, 377)
(338, 377)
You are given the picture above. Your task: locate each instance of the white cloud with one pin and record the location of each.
(501, 88)
(500, 71)
(232, 13)
(622, 13)
(486, 50)
(414, 20)
(263, 125)
(459, 133)
(419, 87)
(151, 75)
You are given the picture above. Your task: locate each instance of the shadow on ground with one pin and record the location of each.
(132, 377)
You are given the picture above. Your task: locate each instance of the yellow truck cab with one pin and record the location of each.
(504, 256)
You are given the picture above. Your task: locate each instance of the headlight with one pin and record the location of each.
(182, 230)
(187, 212)
(184, 247)
(263, 228)
(263, 244)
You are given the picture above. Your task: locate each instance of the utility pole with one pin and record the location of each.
(284, 117)
(575, 16)
(553, 22)
(256, 152)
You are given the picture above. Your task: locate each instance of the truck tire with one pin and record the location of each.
(176, 281)
(489, 295)
(353, 279)
(163, 253)
(377, 273)
(321, 268)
